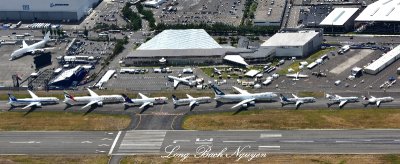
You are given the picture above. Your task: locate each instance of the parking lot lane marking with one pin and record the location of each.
(114, 143)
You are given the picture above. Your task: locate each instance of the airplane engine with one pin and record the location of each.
(100, 103)
(196, 103)
(244, 105)
(252, 103)
(38, 105)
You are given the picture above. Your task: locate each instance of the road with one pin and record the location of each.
(162, 142)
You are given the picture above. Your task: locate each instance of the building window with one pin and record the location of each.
(25, 7)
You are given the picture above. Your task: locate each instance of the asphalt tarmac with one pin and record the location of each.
(163, 142)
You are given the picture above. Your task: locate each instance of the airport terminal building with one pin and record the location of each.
(46, 10)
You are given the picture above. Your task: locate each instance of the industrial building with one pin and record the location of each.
(186, 47)
(340, 20)
(46, 10)
(68, 78)
(384, 61)
(294, 43)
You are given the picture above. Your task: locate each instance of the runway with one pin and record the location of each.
(164, 142)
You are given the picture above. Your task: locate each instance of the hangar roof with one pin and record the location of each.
(382, 10)
(291, 38)
(339, 16)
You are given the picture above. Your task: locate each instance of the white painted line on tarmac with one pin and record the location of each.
(114, 143)
(270, 135)
(86, 142)
(298, 141)
(175, 141)
(344, 141)
(237, 141)
(203, 143)
(268, 147)
(24, 142)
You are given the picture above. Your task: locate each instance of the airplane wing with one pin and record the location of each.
(93, 94)
(295, 96)
(243, 102)
(187, 77)
(176, 82)
(192, 103)
(342, 103)
(32, 94)
(299, 103)
(32, 104)
(378, 103)
(143, 96)
(190, 97)
(241, 91)
(90, 104)
(144, 105)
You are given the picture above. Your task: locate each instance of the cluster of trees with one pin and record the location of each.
(105, 27)
(147, 15)
(222, 29)
(249, 8)
(134, 20)
(119, 45)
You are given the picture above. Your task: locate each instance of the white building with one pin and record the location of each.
(340, 20)
(154, 3)
(381, 11)
(45, 10)
(384, 61)
(295, 43)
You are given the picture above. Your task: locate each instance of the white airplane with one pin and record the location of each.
(217, 71)
(34, 48)
(144, 101)
(377, 100)
(35, 101)
(191, 101)
(188, 80)
(93, 99)
(296, 100)
(244, 98)
(341, 100)
(296, 76)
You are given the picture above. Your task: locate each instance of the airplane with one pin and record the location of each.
(297, 75)
(377, 100)
(35, 101)
(184, 80)
(34, 48)
(296, 100)
(144, 101)
(191, 101)
(218, 72)
(93, 99)
(244, 97)
(341, 100)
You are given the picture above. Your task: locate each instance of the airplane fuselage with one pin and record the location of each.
(240, 97)
(152, 100)
(348, 99)
(102, 99)
(187, 101)
(41, 100)
(381, 99)
(302, 99)
(22, 51)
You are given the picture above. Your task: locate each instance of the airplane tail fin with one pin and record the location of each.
(68, 96)
(11, 98)
(217, 91)
(24, 45)
(47, 36)
(283, 98)
(174, 98)
(127, 99)
(328, 96)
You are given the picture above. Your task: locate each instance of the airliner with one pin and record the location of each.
(93, 99)
(188, 80)
(296, 100)
(378, 100)
(341, 100)
(144, 101)
(244, 97)
(35, 101)
(191, 101)
(297, 75)
(34, 48)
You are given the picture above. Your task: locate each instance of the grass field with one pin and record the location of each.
(275, 159)
(75, 159)
(296, 119)
(42, 121)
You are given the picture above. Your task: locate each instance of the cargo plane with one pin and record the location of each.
(34, 48)
(244, 97)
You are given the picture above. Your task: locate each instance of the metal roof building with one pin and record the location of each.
(381, 11)
(340, 20)
(383, 61)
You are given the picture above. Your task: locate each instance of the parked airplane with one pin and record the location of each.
(296, 100)
(341, 100)
(144, 101)
(35, 101)
(217, 71)
(188, 80)
(34, 48)
(377, 100)
(244, 98)
(93, 99)
(191, 101)
(296, 76)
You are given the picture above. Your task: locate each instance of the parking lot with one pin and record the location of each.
(198, 11)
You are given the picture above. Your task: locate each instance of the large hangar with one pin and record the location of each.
(340, 20)
(182, 47)
(46, 10)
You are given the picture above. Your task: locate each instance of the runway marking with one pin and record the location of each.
(270, 135)
(175, 141)
(23, 142)
(140, 119)
(110, 133)
(103, 145)
(344, 141)
(237, 141)
(396, 140)
(86, 142)
(100, 151)
(268, 147)
(115, 142)
(203, 143)
(298, 141)
(106, 139)
(172, 123)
